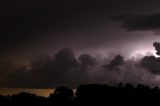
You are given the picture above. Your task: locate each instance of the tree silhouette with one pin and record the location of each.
(92, 94)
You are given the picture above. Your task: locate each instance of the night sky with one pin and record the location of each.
(50, 43)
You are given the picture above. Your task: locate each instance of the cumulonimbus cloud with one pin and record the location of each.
(65, 69)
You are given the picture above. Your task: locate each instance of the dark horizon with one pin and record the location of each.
(90, 94)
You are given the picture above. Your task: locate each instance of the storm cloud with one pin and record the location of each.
(152, 63)
(140, 22)
(65, 69)
(30, 28)
(117, 61)
(33, 31)
(157, 47)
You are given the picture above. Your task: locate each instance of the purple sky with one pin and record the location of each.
(30, 29)
(33, 28)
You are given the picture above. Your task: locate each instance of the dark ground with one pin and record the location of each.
(94, 94)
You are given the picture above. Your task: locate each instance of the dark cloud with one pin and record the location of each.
(30, 28)
(146, 22)
(64, 69)
(151, 63)
(60, 70)
(26, 23)
(117, 61)
(65, 58)
(6, 68)
(86, 61)
(157, 47)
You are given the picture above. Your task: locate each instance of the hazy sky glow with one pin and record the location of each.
(33, 31)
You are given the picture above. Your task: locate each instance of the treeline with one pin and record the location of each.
(89, 94)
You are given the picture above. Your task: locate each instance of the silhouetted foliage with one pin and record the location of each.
(126, 95)
(62, 96)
